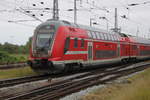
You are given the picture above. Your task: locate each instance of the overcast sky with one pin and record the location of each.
(18, 32)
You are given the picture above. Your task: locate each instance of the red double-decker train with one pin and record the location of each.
(60, 45)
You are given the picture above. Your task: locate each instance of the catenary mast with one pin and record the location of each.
(55, 10)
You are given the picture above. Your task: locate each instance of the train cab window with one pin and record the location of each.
(75, 42)
(67, 44)
(82, 43)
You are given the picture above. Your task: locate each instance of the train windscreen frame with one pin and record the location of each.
(45, 36)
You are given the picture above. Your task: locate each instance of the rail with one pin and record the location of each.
(71, 85)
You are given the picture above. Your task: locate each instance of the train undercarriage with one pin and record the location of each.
(47, 67)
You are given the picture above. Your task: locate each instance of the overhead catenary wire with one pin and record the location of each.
(24, 12)
(89, 3)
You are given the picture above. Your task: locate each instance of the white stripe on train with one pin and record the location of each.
(76, 52)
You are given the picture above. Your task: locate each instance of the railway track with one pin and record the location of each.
(9, 66)
(21, 80)
(74, 84)
(16, 81)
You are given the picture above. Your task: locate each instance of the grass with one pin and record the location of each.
(18, 72)
(138, 89)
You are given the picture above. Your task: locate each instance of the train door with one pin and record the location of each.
(90, 51)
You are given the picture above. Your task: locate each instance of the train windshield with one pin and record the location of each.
(45, 36)
(44, 40)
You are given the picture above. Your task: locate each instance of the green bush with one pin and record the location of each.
(3, 57)
(6, 58)
(3, 54)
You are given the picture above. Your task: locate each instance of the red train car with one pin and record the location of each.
(61, 45)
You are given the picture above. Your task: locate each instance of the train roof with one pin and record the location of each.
(141, 40)
(67, 23)
(135, 39)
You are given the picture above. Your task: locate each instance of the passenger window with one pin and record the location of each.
(76, 42)
(108, 35)
(67, 44)
(94, 35)
(82, 42)
(97, 34)
(117, 38)
(89, 34)
(111, 37)
(102, 36)
(114, 37)
(105, 36)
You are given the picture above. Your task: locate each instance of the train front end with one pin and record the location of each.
(42, 44)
